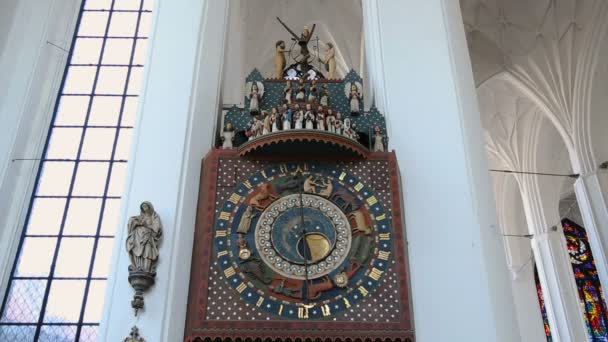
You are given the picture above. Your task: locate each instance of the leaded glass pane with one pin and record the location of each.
(74, 257)
(36, 257)
(64, 301)
(67, 242)
(24, 301)
(58, 333)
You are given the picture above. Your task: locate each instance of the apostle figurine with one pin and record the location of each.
(301, 95)
(309, 117)
(254, 99)
(279, 59)
(287, 115)
(267, 126)
(298, 117)
(346, 128)
(143, 240)
(330, 61)
(355, 99)
(312, 93)
(274, 120)
(378, 143)
(320, 119)
(338, 124)
(324, 100)
(287, 92)
(329, 120)
(228, 136)
(259, 127)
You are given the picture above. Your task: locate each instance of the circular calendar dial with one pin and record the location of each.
(303, 241)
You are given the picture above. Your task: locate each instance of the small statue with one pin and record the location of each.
(145, 231)
(246, 219)
(353, 93)
(330, 121)
(309, 116)
(274, 120)
(287, 119)
(378, 143)
(228, 136)
(267, 126)
(254, 98)
(338, 124)
(134, 336)
(298, 117)
(312, 93)
(324, 100)
(301, 95)
(320, 119)
(144, 234)
(287, 92)
(346, 128)
(279, 59)
(330, 61)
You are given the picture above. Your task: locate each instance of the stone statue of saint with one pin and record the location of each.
(145, 232)
(279, 59)
(134, 336)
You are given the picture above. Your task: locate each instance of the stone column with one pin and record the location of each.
(458, 267)
(592, 197)
(174, 131)
(559, 289)
(553, 262)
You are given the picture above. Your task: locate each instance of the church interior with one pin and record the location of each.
(291, 170)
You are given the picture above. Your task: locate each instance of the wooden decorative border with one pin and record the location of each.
(198, 327)
(304, 135)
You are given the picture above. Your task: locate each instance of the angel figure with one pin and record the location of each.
(227, 136)
(378, 143)
(298, 117)
(324, 99)
(301, 92)
(255, 94)
(312, 92)
(145, 232)
(309, 116)
(320, 119)
(287, 92)
(279, 59)
(354, 95)
(330, 61)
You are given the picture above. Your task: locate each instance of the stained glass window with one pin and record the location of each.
(543, 309)
(57, 285)
(587, 282)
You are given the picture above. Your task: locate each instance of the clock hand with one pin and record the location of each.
(305, 247)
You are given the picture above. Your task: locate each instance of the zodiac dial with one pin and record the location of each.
(303, 241)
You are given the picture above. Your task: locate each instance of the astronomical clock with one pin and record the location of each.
(299, 231)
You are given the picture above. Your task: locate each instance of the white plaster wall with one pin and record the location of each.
(450, 214)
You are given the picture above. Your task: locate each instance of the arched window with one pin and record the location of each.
(57, 285)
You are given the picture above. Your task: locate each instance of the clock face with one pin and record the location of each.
(303, 241)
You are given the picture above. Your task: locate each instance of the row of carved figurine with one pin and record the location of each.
(288, 119)
(312, 96)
